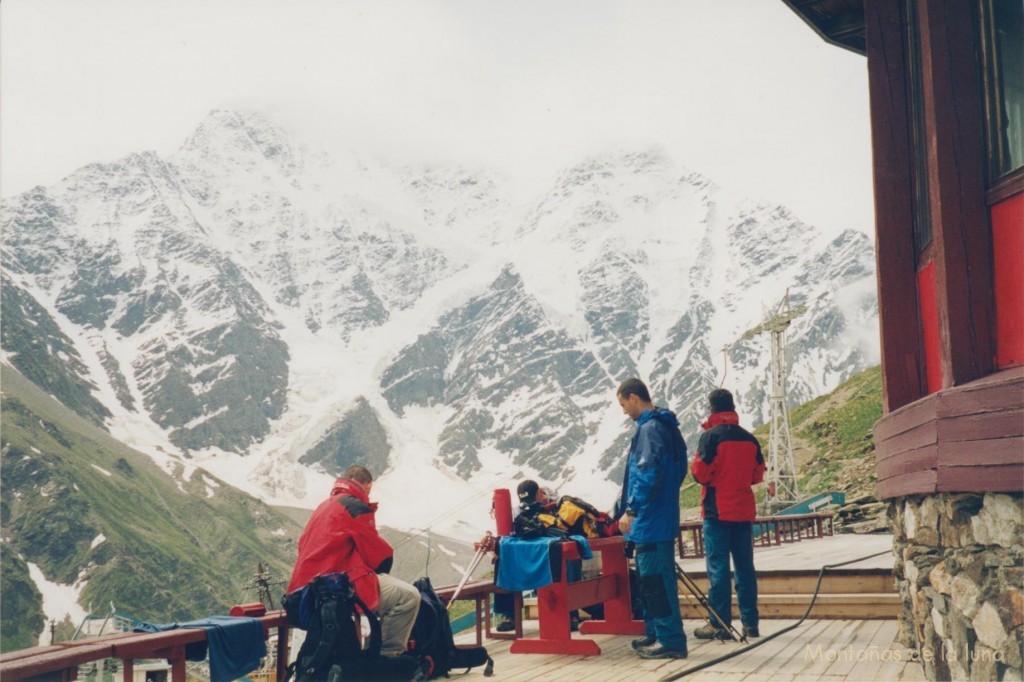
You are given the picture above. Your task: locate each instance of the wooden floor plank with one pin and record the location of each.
(848, 652)
(815, 660)
(752, 661)
(912, 672)
(893, 669)
(788, 658)
(812, 554)
(867, 669)
(709, 675)
(781, 658)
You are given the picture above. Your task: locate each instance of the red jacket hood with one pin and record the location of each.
(717, 418)
(346, 486)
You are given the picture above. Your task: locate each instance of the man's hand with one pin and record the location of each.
(624, 523)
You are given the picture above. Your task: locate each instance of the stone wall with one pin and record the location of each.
(960, 571)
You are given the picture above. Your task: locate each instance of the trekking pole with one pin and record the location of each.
(482, 547)
(693, 595)
(702, 598)
(706, 603)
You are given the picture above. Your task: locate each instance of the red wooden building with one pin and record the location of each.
(947, 99)
(946, 82)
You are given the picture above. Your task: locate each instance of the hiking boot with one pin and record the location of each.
(752, 633)
(659, 651)
(643, 642)
(505, 624)
(709, 631)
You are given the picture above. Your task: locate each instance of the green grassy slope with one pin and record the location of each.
(171, 551)
(832, 442)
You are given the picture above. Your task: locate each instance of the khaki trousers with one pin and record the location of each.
(399, 604)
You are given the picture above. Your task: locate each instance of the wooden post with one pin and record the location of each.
(956, 164)
(178, 664)
(283, 635)
(894, 218)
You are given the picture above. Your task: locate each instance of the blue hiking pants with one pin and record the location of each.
(655, 565)
(723, 539)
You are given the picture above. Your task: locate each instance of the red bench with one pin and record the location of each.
(555, 601)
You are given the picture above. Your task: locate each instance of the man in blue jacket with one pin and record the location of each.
(650, 500)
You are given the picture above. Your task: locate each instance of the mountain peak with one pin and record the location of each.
(611, 164)
(244, 138)
(240, 296)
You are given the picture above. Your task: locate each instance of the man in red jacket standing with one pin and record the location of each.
(728, 462)
(341, 537)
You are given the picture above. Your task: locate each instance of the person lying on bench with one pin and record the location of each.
(539, 516)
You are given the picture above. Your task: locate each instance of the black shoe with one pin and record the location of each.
(659, 651)
(574, 624)
(752, 633)
(643, 642)
(505, 624)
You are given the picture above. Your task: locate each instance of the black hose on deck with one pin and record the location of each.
(765, 640)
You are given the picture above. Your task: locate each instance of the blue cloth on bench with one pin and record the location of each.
(236, 644)
(527, 564)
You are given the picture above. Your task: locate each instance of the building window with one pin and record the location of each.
(1002, 25)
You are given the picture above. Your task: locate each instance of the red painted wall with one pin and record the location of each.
(1008, 245)
(929, 310)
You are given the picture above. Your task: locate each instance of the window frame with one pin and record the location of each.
(1001, 183)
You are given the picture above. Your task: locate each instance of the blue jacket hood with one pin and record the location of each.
(667, 417)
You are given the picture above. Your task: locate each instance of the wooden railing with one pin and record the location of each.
(770, 531)
(60, 661)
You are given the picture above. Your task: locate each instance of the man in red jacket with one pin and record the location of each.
(341, 537)
(728, 462)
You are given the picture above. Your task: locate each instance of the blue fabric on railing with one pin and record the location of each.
(236, 644)
(534, 563)
(583, 545)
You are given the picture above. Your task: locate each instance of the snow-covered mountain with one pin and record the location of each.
(254, 307)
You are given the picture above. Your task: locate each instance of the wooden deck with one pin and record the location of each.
(812, 554)
(834, 650)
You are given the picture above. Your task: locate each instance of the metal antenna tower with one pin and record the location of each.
(261, 583)
(782, 483)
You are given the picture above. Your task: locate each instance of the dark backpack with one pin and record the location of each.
(332, 651)
(432, 642)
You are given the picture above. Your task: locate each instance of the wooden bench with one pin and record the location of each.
(555, 601)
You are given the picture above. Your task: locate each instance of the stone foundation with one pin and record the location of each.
(960, 571)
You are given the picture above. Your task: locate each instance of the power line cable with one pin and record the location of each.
(419, 532)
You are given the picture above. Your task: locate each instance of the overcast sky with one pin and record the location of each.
(741, 90)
